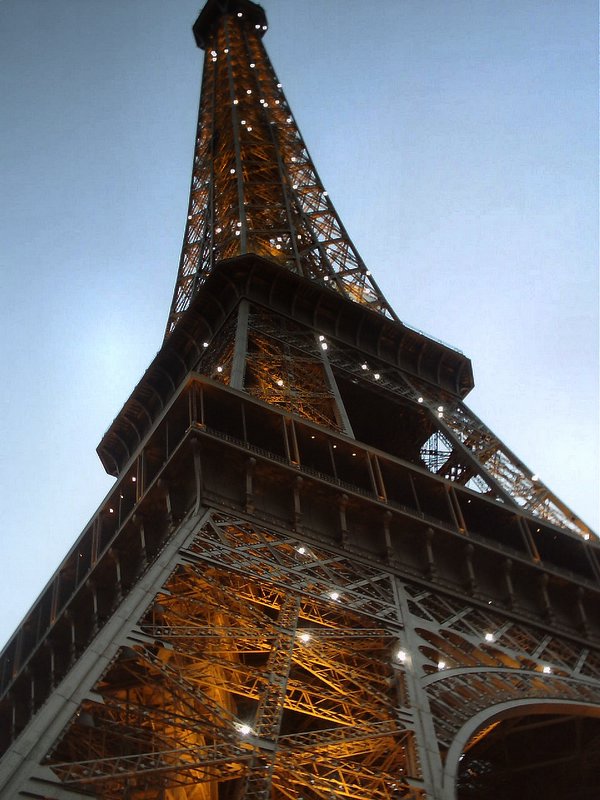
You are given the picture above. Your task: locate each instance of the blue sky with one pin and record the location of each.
(457, 140)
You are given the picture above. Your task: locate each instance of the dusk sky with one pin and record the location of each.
(457, 140)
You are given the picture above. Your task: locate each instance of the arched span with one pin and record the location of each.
(498, 713)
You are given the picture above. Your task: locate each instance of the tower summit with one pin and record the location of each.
(318, 573)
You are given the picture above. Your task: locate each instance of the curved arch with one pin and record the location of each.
(497, 713)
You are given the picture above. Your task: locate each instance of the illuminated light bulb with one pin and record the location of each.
(237, 233)
(354, 454)
(323, 345)
(240, 14)
(440, 408)
(238, 224)
(189, 216)
(133, 479)
(586, 536)
(325, 194)
(280, 382)
(334, 595)
(218, 230)
(419, 400)
(235, 102)
(401, 656)
(204, 344)
(313, 437)
(242, 122)
(252, 65)
(547, 671)
(364, 366)
(489, 637)
(295, 186)
(377, 376)
(279, 86)
(264, 27)
(232, 171)
(441, 665)
(226, 50)
(304, 637)
(213, 53)
(326, 278)
(248, 91)
(302, 549)
(276, 102)
(245, 730)
(219, 369)
(335, 446)
(249, 129)
(289, 119)
(321, 338)
(111, 511)
(121, 496)
(440, 414)
(257, 27)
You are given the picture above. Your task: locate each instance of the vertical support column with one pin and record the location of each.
(240, 347)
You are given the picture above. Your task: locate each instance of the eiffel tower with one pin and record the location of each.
(318, 573)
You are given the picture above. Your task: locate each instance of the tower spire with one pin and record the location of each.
(254, 186)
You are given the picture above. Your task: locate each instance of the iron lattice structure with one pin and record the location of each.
(318, 575)
(254, 186)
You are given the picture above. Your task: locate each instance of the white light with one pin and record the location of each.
(321, 338)
(133, 479)
(219, 369)
(245, 729)
(257, 27)
(240, 14)
(242, 122)
(280, 382)
(489, 637)
(218, 230)
(534, 478)
(354, 454)
(325, 194)
(377, 376)
(189, 216)
(279, 86)
(440, 408)
(248, 91)
(232, 171)
(368, 273)
(401, 656)
(304, 637)
(334, 595)
(419, 400)
(237, 233)
(213, 53)
(249, 129)
(204, 344)
(440, 414)
(235, 102)
(252, 65)
(289, 119)
(441, 665)
(295, 186)
(226, 50)
(364, 366)
(302, 549)
(547, 671)
(323, 345)
(586, 536)
(264, 27)
(111, 510)
(238, 224)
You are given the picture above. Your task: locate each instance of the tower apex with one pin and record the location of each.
(215, 9)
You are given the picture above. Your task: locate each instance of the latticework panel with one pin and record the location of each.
(264, 668)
